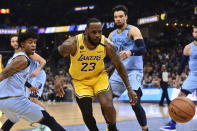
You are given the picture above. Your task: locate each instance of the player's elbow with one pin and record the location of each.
(43, 62)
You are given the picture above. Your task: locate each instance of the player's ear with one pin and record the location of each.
(21, 44)
(126, 18)
(86, 30)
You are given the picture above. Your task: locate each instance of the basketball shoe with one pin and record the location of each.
(171, 126)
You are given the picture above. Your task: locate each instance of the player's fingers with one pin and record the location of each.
(37, 91)
(134, 100)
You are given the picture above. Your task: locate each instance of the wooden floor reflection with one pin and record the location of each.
(68, 113)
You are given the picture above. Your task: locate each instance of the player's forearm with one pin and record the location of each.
(41, 66)
(184, 61)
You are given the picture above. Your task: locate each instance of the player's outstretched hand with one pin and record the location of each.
(124, 54)
(34, 91)
(59, 86)
(132, 97)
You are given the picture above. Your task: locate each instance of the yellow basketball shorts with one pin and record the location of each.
(92, 86)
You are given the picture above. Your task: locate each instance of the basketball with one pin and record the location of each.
(182, 109)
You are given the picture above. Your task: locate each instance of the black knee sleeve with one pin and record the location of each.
(186, 92)
(50, 122)
(140, 114)
(138, 109)
(7, 125)
(85, 104)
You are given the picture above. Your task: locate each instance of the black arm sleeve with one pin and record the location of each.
(184, 60)
(53, 61)
(27, 84)
(141, 48)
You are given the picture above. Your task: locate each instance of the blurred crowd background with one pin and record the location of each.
(165, 39)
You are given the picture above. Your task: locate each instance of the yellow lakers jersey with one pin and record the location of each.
(1, 66)
(86, 63)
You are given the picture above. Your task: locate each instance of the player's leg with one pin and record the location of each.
(36, 101)
(103, 113)
(106, 102)
(50, 122)
(39, 83)
(7, 107)
(139, 111)
(85, 105)
(117, 89)
(165, 90)
(9, 123)
(84, 95)
(32, 112)
(135, 78)
(104, 95)
(162, 96)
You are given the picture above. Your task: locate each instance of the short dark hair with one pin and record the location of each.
(13, 36)
(92, 20)
(120, 8)
(24, 36)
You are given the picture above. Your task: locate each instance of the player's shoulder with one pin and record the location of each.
(187, 49)
(188, 46)
(70, 41)
(111, 33)
(134, 28)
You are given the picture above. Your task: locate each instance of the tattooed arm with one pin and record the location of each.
(19, 63)
(68, 47)
(39, 59)
(113, 54)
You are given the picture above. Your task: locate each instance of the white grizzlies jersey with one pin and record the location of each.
(193, 59)
(37, 81)
(41, 75)
(14, 85)
(123, 42)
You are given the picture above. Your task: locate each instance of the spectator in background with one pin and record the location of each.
(163, 84)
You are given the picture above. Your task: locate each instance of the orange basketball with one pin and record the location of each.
(182, 109)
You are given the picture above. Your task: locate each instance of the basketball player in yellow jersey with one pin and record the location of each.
(1, 68)
(1, 64)
(87, 52)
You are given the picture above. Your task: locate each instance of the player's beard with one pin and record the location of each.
(195, 39)
(93, 43)
(119, 26)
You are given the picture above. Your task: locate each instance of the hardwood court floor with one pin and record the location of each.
(68, 114)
